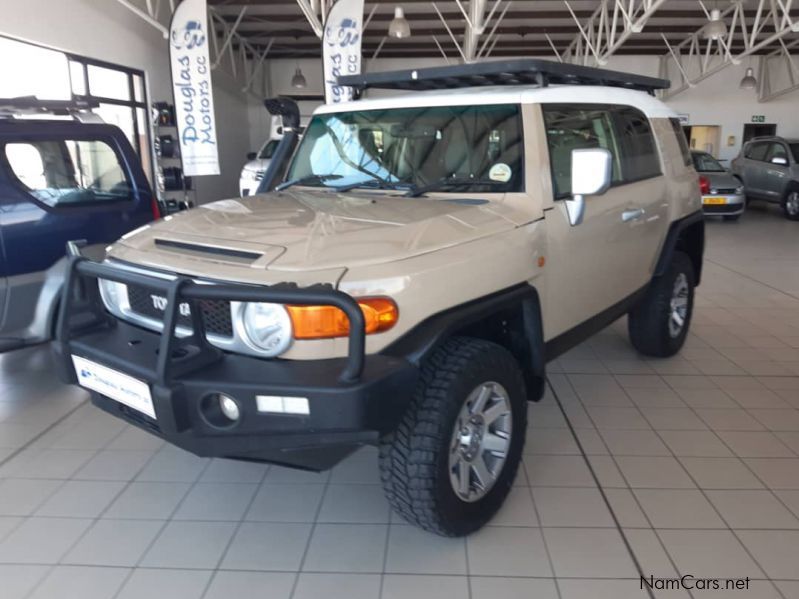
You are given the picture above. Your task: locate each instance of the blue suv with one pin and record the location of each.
(60, 180)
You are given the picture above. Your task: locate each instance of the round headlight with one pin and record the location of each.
(267, 328)
(110, 292)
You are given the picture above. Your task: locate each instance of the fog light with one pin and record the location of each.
(229, 407)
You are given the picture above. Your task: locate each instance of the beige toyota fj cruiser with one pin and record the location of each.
(401, 279)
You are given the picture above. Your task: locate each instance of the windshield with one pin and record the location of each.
(414, 147)
(705, 163)
(268, 150)
(795, 151)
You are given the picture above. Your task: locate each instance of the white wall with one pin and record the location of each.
(715, 101)
(106, 30)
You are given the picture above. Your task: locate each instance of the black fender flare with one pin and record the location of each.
(523, 299)
(676, 229)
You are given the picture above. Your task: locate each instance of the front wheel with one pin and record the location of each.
(659, 322)
(451, 462)
(790, 205)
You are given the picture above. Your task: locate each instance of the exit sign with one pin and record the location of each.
(758, 118)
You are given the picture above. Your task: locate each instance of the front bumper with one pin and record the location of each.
(247, 187)
(351, 400)
(729, 205)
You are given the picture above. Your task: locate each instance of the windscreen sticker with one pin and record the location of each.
(500, 172)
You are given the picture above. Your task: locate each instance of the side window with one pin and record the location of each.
(757, 151)
(681, 141)
(68, 172)
(639, 152)
(776, 150)
(571, 128)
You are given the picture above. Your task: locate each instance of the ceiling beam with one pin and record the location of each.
(537, 15)
(696, 58)
(501, 30)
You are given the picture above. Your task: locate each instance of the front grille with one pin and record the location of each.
(259, 175)
(216, 313)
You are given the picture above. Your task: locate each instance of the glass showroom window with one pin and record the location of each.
(120, 93)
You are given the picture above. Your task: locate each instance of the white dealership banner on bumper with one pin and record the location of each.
(341, 47)
(191, 85)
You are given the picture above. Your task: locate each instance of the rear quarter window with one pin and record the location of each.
(638, 147)
(685, 149)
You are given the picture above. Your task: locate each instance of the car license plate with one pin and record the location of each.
(714, 201)
(114, 384)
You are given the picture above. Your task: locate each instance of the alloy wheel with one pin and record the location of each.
(792, 203)
(679, 305)
(480, 441)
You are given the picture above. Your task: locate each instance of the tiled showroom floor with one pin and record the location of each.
(698, 457)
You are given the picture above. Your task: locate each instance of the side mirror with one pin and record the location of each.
(252, 156)
(592, 173)
(779, 160)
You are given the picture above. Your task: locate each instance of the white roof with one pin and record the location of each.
(516, 94)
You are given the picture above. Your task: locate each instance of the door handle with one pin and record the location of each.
(629, 215)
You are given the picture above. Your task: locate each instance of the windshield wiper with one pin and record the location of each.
(368, 184)
(415, 192)
(305, 180)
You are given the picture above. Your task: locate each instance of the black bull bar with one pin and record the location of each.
(82, 310)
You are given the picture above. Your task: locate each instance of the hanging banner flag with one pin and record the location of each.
(341, 47)
(191, 86)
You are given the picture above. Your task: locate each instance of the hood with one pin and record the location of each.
(303, 230)
(721, 180)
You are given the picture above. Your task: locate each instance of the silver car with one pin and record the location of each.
(722, 194)
(769, 169)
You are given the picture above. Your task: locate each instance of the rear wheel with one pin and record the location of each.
(790, 204)
(659, 323)
(451, 462)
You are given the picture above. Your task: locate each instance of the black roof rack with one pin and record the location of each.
(32, 105)
(524, 71)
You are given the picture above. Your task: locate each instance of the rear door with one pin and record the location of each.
(67, 181)
(643, 179)
(775, 176)
(61, 181)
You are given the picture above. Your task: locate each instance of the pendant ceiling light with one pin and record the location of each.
(749, 81)
(399, 28)
(716, 28)
(298, 81)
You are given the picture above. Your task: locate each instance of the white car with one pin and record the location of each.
(254, 170)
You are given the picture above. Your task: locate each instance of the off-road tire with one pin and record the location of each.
(792, 195)
(648, 321)
(414, 459)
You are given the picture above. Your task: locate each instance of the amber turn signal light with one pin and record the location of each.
(325, 322)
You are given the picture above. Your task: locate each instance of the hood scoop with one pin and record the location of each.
(222, 254)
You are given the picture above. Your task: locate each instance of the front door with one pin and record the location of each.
(598, 263)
